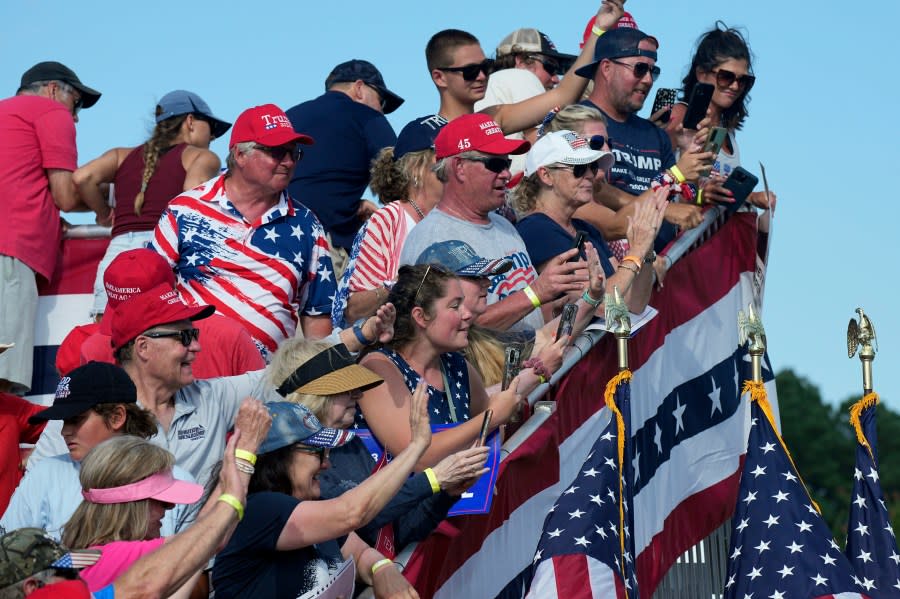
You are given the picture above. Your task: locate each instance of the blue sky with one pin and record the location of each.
(822, 116)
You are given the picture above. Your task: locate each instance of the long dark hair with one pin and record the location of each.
(713, 48)
(420, 285)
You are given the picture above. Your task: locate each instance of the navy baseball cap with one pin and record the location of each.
(366, 72)
(294, 423)
(178, 102)
(56, 71)
(418, 135)
(83, 388)
(618, 43)
(459, 258)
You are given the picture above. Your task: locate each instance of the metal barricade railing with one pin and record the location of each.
(86, 232)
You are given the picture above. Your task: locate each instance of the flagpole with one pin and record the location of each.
(618, 322)
(750, 329)
(861, 335)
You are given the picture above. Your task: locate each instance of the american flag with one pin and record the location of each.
(781, 547)
(586, 548)
(871, 545)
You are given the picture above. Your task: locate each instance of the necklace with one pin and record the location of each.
(416, 208)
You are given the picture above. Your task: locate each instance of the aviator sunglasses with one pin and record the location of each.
(640, 69)
(724, 78)
(470, 72)
(185, 336)
(495, 164)
(579, 170)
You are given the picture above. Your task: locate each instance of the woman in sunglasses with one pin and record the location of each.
(723, 60)
(175, 158)
(560, 170)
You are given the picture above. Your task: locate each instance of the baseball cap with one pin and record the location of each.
(267, 125)
(366, 72)
(418, 135)
(459, 257)
(618, 43)
(475, 132)
(161, 486)
(85, 387)
(66, 589)
(131, 273)
(294, 423)
(159, 305)
(564, 147)
(68, 354)
(329, 372)
(27, 551)
(180, 102)
(56, 71)
(532, 40)
(626, 20)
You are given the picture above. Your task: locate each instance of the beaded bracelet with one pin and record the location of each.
(586, 296)
(245, 467)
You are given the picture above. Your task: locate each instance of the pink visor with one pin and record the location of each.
(160, 486)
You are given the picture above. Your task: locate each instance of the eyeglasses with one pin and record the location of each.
(79, 101)
(598, 141)
(495, 164)
(322, 452)
(186, 336)
(724, 78)
(381, 101)
(279, 152)
(640, 69)
(551, 66)
(578, 170)
(470, 72)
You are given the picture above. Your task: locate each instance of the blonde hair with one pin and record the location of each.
(392, 179)
(113, 463)
(290, 355)
(487, 354)
(163, 137)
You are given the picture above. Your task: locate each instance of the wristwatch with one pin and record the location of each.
(650, 257)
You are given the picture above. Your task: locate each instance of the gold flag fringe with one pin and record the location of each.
(867, 401)
(609, 397)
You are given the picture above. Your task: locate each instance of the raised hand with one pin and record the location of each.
(419, 422)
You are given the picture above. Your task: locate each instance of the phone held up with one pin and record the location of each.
(740, 183)
(665, 96)
(511, 366)
(566, 320)
(697, 105)
(485, 427)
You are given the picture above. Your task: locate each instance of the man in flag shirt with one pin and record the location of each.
(240, 242)
(780, 546)
(871, 546)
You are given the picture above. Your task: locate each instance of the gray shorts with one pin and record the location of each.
(18, 307)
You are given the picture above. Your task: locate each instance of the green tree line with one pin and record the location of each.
(823, 446)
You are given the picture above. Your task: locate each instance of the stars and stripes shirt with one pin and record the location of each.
(264, 274)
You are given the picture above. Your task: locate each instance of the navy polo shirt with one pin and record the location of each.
(334, 172)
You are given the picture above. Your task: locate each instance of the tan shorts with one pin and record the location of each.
(18, 307)
(339, 259)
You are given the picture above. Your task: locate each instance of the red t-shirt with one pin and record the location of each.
(14, 429)
(38, 133)
(226, 349)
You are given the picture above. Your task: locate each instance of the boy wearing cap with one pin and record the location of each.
(241, 243)
(37, 158)
(30, 560)
(349, 127)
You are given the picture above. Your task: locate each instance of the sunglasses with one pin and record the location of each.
(640, 69)
(322, 452)
(381, 99)
(279, 152)
(186, 336)
(551, 66)
(724, 78)
(495, 164)
(470, 71)
(597, 142)
(66, 573)
(579, 170)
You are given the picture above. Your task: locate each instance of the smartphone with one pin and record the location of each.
(665, 96)
(485, 427)
(698, 105)
(580, 236)
(741, 182)
(713, 144)
(511, 365)
(566, 320)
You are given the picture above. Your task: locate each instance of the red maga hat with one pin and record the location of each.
(475, 132)
(160, 305)
(267, 125)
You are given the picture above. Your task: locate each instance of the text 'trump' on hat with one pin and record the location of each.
(266, 125)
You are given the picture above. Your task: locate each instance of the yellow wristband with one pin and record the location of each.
(700, 198)
(597, 31)
(532, 296)
(246, 456)
(432, 480)
(380, 564)
(676, 172)
(233, 502)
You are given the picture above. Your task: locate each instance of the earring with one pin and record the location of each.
(416, 182)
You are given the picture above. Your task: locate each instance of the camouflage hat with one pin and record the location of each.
(27, 551)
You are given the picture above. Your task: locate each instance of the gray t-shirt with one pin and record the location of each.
(497, 239)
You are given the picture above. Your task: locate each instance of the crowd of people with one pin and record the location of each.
(164, 470)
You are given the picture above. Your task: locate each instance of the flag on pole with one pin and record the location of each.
(871, 545)
(781, 547)
(586, 548)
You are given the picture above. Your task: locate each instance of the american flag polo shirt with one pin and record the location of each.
(264, 274)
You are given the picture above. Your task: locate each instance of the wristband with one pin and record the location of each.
(245, 467)
(243, 454)
(380, 564)
(676, 172)
(432, 480)
(537, 365)
(626, 267)
(634, 260)
(700, 198)
(597, 31)
(233, 502)
(357, 330)
(586, 296)
(531, 295)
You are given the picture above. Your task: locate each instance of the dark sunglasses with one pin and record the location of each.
(381, 99)
(279, 152)
(551, 66)
(640, 69)
(495, 164)
(66, 573)
(470, 71)
(724, 78)
(322, 452)
(598, 141)
(579, 170)
(186, 336)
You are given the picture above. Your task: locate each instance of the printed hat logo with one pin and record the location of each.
(575, 141)
(62, 389)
